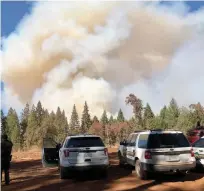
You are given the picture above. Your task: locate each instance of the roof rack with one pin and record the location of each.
(140, 131)
(156, 130)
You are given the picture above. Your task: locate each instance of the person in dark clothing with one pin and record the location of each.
(6, 148)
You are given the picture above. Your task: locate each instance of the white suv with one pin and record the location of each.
(157, 151)
(79, 152)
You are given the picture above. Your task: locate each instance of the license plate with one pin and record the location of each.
(88, 155)
(171, 158)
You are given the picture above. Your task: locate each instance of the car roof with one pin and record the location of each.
(156, 131)
(81, 135)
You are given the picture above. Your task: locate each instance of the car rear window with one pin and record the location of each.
(167, 140)
(85, 142)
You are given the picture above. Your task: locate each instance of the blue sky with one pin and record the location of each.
(12, 12)
(21, 8)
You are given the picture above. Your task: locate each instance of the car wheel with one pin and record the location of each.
(62, 173)
(181, 174)
(140, 172)
(104, 173)
(121, 160)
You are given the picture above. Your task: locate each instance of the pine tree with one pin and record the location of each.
(58, 123)
(148, 116)
(32, 131)
(74, 121)
(65, 123)
(13, 128)
(104, 118)
(95, 119)
(120, 117)
(24, 123)
(86, 119)
(3, 123)
(162, 115)
(48, 129)
(39, 113)
(111, 120)
(104, 122)
(172, 114)
(137, 108)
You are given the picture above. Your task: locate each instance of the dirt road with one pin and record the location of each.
(28, 174)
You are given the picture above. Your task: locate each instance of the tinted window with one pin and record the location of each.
(167, 140)
(199, 143)
(85, 142)
(142, 143)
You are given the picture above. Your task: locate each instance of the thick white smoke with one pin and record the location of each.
(65, 53)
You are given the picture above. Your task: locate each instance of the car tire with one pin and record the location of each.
(140, 172)
(121, 162)
(62, 173)
(181, 174)
(104, 173)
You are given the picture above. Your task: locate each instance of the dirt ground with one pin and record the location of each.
(28, 174)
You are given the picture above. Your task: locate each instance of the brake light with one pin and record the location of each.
(106, 151)
(66, 153)
(192, 153)
(148, 155)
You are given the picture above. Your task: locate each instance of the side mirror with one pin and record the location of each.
(123, 142)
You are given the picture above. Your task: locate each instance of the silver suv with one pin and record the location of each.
(78, 152)
(157, 151)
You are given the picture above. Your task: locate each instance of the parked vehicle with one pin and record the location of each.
(79, 152)
(196, 133)
(198, 149)
(157, 151)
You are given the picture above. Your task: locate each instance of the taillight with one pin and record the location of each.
(66, 153)
(192, 153)
(106, 151)
(148, 155)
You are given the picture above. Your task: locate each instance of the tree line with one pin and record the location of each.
(36, 123)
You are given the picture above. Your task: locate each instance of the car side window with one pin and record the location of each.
(133, 140)
(142, 143)
(129, 139)
(199, 143)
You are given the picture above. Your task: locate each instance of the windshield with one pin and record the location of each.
(85, 142)
(167, 140)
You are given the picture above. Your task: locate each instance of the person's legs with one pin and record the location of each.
(7, 179)
(1, 174)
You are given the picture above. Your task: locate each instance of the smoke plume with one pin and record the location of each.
(64, 53)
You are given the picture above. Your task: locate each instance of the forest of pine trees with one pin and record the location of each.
(36, 123)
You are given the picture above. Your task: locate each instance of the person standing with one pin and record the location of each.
(6, 148)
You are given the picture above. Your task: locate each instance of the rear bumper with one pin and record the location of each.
(83, 168)
(168, 168)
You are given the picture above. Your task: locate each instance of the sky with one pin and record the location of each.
(20, 8)
(13, 12)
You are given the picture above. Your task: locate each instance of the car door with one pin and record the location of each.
(131, 149)
(198, 148)
(50, 153)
